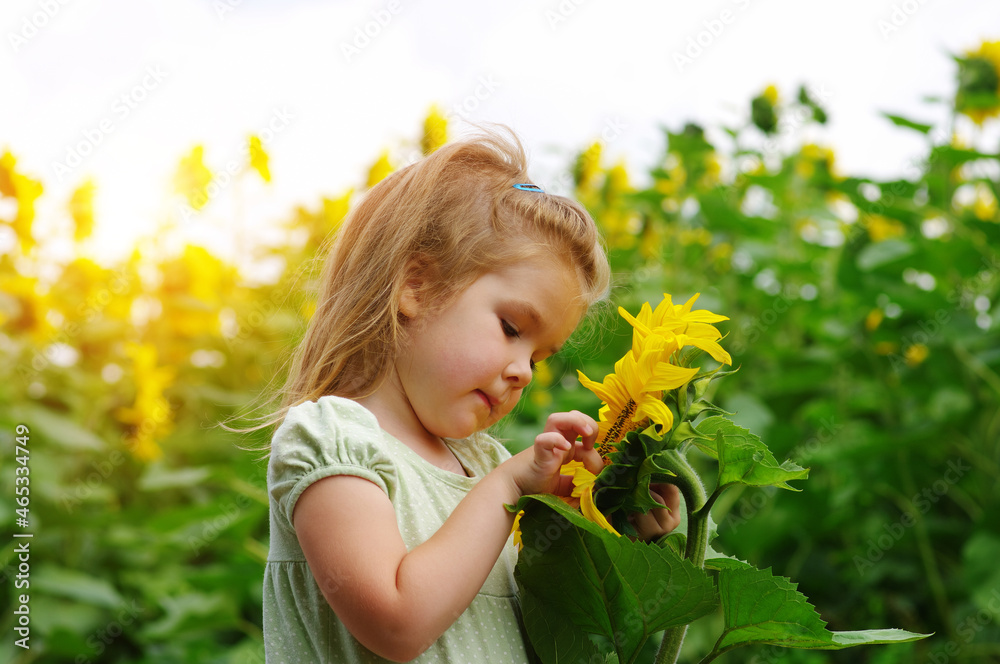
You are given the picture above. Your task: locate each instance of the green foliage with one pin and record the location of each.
(577, 579)
(875, 365)
(760, 608)
(743, 458)
(863, 320)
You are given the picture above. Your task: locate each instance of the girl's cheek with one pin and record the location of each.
(511, 403)
(514, 398)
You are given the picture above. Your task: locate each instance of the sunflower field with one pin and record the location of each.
(863, 319)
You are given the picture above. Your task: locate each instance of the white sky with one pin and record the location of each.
(559, 73)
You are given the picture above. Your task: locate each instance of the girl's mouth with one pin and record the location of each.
(485, 398)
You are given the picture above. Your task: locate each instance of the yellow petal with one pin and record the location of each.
(610, 391)
(582, 477)
(655, 410)
(683, 312)
(516, 531)
(583, 488)
(589, 510)
(668, 376)
(664, 308)
(629, 372)
(702, 331)
(710, 347)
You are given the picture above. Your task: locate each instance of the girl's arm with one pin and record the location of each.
(397, 603)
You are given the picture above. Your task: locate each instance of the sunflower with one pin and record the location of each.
(379, 170)
(633, 394)
(763, 111)
(678, 321)
(978, 94)
(192, 178)
(435, 131)
(259, 159)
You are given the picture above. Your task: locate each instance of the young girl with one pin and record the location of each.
(389, 535)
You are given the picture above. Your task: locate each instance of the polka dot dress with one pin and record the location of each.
(335, 436)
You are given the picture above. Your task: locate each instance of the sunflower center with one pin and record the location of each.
(617, 430)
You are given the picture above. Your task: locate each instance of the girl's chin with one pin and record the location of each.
(458, 431)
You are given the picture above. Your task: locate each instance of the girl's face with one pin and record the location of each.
(463, 367)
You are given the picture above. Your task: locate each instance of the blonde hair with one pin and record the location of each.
(452, 216)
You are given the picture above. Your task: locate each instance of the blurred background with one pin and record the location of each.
(826, 176)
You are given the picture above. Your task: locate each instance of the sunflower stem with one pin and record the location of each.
(693, 490)
(697, 541)
(671, 646)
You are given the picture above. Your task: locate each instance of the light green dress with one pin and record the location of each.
(336, 436)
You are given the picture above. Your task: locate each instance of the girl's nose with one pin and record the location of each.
(518, 372)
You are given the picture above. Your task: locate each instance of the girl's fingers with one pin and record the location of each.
(552, 443)
(671, 496)
(590, 457)
(567, 437)
(551, 450)
(573, 425)
(581, 430)
(645, 525)
(564, 489)
(659, 521)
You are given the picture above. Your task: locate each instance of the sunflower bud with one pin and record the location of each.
(763, 112)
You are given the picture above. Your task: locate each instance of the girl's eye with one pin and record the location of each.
(513, 333)
(509, 329)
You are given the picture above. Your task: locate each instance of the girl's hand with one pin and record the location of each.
(659, 521)
(537, 468)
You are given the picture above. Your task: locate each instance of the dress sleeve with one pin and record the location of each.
(318, 439)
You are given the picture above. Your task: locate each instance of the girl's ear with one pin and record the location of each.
(411, 297)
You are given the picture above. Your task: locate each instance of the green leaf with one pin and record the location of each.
(759, 608)
(950, 156)
(190, 611)
(702, 406)
(599, 583)
(158, 477)
(871, 637)
(686, 431)
(882, 253)
(744, 459)
(59, 430)
(83, 587)
(900, 121)
(553, 636)
(675, 540)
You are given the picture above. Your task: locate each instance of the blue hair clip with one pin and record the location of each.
(529, 187)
